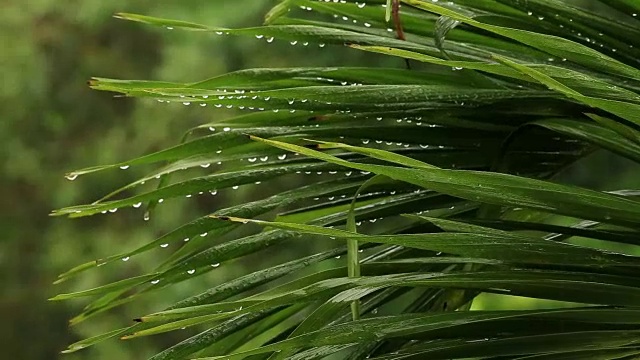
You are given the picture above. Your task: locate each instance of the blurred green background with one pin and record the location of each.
(53, 123)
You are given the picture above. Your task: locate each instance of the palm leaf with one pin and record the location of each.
(444, 176)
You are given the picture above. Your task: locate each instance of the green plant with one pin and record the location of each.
(451, 166)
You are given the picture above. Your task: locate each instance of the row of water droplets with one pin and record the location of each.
(417, 121)
(204, 100)
(578, 33)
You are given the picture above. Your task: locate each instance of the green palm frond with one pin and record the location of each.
(438, 182)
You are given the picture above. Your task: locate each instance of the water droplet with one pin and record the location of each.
(215, 265)
(293, 42)
(126, 258)
(282, 157)
(113, 210)
(164, 245)
(226, 129)
(160, 201)
(186, 239)
(155, 281)
(124, 167)
(71, 177)
(191, 272)
(137, 205)
(205, 165)
(203, 234)
(146, 216)
(235, 187)
(252, 160)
